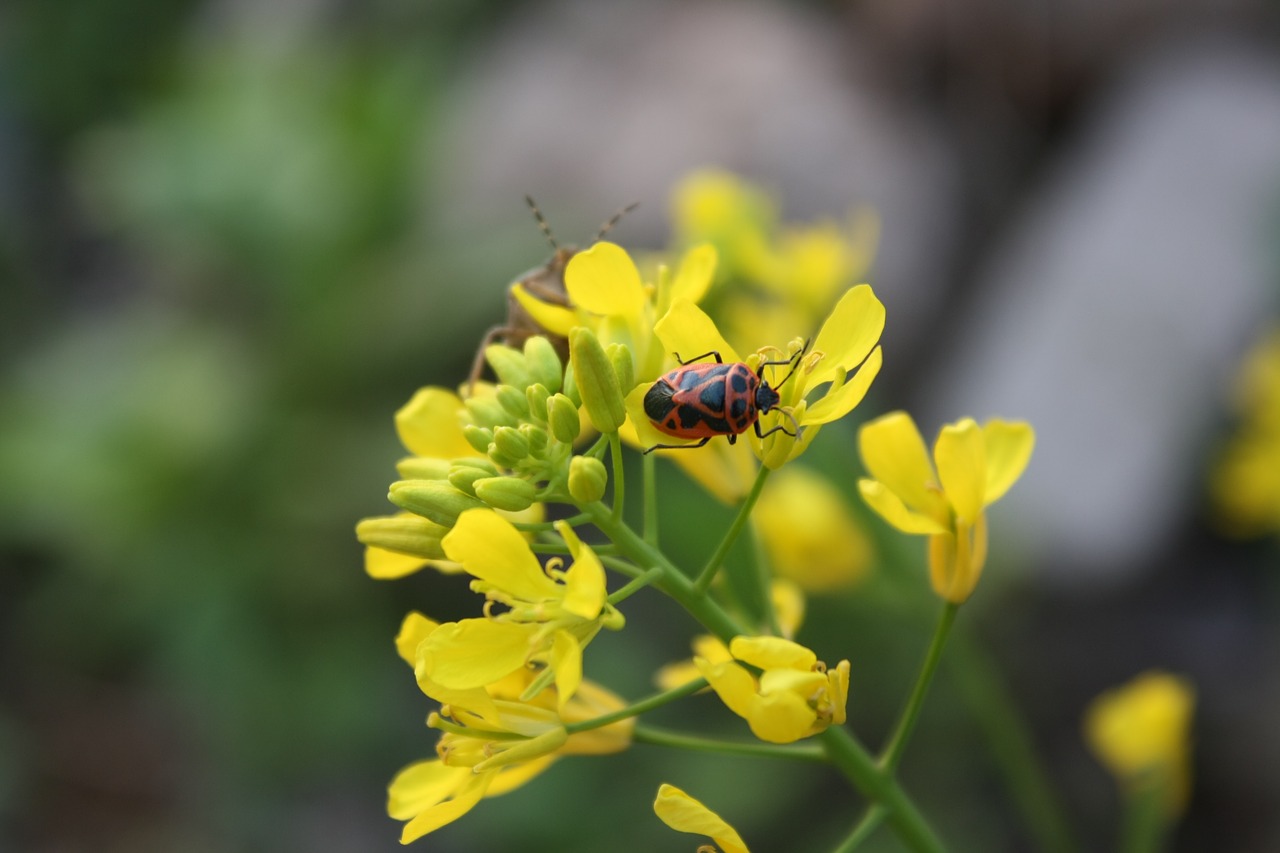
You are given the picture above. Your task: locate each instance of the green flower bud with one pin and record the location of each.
(536, 396)
(597, 381)
(570, 387)
(462, 478)
(509, 493)
(404, 534)
(423, 468)
(562, 417)
(513, 401)
(510, 443)
(482, 464)
(432, 499)
(536, 436)
(509, 364)
(620, 358)
(478, 437)
(487, 411)
(587, 479)
(543, 362)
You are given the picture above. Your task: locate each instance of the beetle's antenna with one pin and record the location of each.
(542, 223)
(797, 358)
(613, 220)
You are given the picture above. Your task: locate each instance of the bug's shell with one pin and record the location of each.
(704, 400)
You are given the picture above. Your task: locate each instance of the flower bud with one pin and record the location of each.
(562, 416)
(570, 386)
(432, 499)
(423, 468)
(478, 437)
(404, 534)
(543, 362)
(536, 396)
(509, 364)
(513, 401)
(510, 443)
(536, 436)
(463, 478)
(587, 479)
(487, 411)
(623, 368)
(509, 493)
(597, 381)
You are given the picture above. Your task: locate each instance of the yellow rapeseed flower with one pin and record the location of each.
(809, 533)
(683, 813)
(1246, 480)
(975, 466)
(793, 697)
(1141, 731)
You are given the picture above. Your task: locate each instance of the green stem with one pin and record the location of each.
(764, 579)
(548, 526)
(892, 753)
(1010, 743)
(853, 760)
(657, 700)
(1144, 819)
(662, 737)
(637, 583)
(708, 573)
(619, 479)
(650, 464)
(869, 823)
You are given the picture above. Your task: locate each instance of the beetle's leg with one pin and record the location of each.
(719, 360)
(477, 364)
(778, 428)
(705, 439)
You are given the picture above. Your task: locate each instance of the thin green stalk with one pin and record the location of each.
(622, 566)
(657, 700)
(619, 475)
(1144, 819)
(892, 753)
(870, 823)
(662, 737)
(650, 468)
(1011, 745)
(636, 584)
(764, 580)
(548, 526)
(708, 573)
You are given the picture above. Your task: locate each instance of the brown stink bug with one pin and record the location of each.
(544, 283)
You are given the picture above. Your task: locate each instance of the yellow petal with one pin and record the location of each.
(585, 580)
(772, 653)
(849, 333)
(604, 280)
(841, 402)
(894, 453)
(686, 331)
(788, 603)
(782, 717)
(413, 630)
(556, 319)
(891, 508)
(683, 813)
(490, 548)
(511, 777)
(838, 687)
(733, 684)
(422, 785)
(566, 659)
(471, 792)
(474, 652)
(382, 564)
(1009, 447)
(693, 278)
(428, 425)
(962, 467)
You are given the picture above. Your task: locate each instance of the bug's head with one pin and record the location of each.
(766, 398)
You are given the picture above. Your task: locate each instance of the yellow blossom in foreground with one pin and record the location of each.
(794, 696)
(551, 614)
(494, 743)
(1246, 481)
(975, 466)
(683, 813)
(809, 533)
(1141, 731)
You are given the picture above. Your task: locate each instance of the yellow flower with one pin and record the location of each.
(975, 467)
(842, 362)
(809, 533)
(496, 742)
(683, 813)
(1141, 732)
(550, 614)
(794, 696)
(1246, 481)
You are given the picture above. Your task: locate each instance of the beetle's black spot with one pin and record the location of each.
(712, 396)
(657, 401)
(738, 381)
(689, 417)
(738, 408)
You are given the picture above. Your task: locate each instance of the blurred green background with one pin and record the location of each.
(233, 240)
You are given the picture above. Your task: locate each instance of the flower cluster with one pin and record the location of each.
(1246, 481)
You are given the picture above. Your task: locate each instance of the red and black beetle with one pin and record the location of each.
(706, 400)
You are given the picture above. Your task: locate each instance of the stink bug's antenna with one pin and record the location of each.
(795, 359)
(608, 226)
(542, 223)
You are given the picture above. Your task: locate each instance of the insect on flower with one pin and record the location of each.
(707, 400)
(544, 283)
